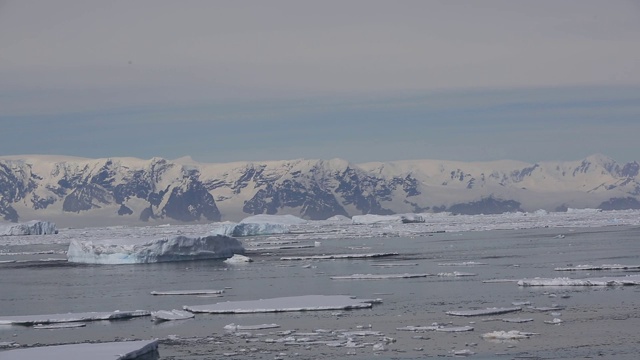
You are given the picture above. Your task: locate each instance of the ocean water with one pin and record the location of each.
(596, 321)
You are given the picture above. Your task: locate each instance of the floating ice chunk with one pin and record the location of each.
(521, 303)
(101, 351)
(555, 321)
(169, 315)
(394, 264)
(379, 276)
(59, 326)
(71, 317)
(418, 328)
(362, 333)
(35, 227)
(545, 308)
(150, 250)
(456, 274)
(188, 292)
(379, 347)
(465, 352)
(293, 303)
(601, 267)
(466, 263)
(603, 281)
(233, 327)
(508, 335)
(517, 320)
(484, 312)
(454, 328)
(238, 259)
(339, 256)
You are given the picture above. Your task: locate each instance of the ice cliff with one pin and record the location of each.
(34, 227)
(150, 250)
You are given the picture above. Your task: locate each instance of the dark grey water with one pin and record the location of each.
(597, 322)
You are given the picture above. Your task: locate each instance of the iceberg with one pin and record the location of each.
(603, 281)
(70, 317)
(250, 229)
(35, 227)
(124, 350)
(292, 303)
(150, 250)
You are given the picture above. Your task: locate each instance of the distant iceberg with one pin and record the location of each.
(258, 225)
(384, 219)
(150, 250)
(35, 227)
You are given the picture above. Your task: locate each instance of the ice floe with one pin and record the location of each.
(70, 317)
(233, 327)
(238, 259)
(598, 267)
(96, 351)
(384, 219)
(455, 328)
(517, 320)
(293, 303)
(379, 276)
(35, 227)
(603, 281)
(466, 263)
(150, 250)
(339, 256)
(507, 335)
(169, 315)
(456, 274)
(188, 292)
(484, 312)
(59, 326)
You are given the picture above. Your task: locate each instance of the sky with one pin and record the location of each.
(362, 80)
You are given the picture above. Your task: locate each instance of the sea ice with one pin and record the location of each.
(150, 250)
(483, 312)
(70, 317)
(379, 276)
(293, 303)
(168, 315)
(97, 351)
(466, 263)
(250, 229)
(35, 227)
(188, 292)
(507, 335)
(455, 328)
(339, 256)
(233, 327)
(601, 267)
(517, 320)
(385, 219)
(603, 281)
(59, 326)
(238, 259)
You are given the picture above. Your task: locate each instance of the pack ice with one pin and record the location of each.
(150, 250)
(35, 227)
(258, 225)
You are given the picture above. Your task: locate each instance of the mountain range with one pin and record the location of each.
(88, 192)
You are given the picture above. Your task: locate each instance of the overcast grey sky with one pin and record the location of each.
(362, 80)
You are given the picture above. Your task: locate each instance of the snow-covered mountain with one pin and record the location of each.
(89, 192)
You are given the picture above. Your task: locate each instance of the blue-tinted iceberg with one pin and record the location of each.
(35, 227)
(150, 250)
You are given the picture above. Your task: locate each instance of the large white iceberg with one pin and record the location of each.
(150, 250)
(35, 227)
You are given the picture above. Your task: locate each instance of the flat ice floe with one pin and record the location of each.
(600, 267)
(603, 281)
(379, 276)
(466, 263)
(150, 250)
(102, 351)
(59, 326)
(483, 312)
(188, 292)
(71, 317)
(339, 256)
(238, 259)
(233, 327)
(293, 303)
(507, 335)
(169, 315)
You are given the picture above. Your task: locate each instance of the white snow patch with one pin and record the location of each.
(293, 303)
(150, 250)
(102, 351)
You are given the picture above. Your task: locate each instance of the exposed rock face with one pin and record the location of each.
(183, 190)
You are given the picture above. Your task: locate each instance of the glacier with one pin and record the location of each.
(34, 227)
(151, 250)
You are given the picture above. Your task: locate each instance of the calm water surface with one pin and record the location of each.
(597, 321)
